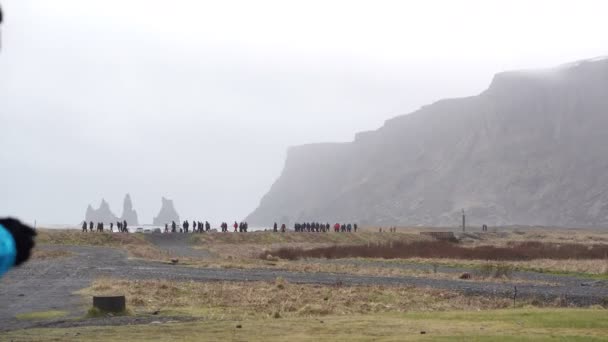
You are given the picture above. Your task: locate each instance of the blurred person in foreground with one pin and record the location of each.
(16, 243)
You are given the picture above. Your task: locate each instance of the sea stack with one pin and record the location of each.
(166, 214)
(103, 214)
(128, 214)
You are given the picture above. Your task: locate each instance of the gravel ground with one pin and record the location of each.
(43, 285)
(179, 245)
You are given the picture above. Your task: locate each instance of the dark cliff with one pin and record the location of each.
(531, 149)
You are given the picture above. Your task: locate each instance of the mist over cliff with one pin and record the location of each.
(531, 149)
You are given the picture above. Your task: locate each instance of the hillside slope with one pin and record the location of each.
(531, 149)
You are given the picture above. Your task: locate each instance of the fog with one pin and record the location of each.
(198, 101)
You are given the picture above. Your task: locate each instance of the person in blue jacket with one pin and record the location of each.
(16, 243)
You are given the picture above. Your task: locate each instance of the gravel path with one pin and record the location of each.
(44, 285)
(178, 245)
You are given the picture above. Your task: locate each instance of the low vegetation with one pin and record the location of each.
(41, 315)
(279, 310)
(77, 238)
(280, 299)
(135, 244)
(580, 267)
(525, 324)
(270, 238)
(447, 250)
(250, 245)
(96, 313)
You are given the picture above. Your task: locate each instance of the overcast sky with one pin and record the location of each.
(199, 100)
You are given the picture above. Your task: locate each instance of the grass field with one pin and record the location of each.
(243, 250)
(496, 325)
(282, 311)
(242, 300)
(41, 315)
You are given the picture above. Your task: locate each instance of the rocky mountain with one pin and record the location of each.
(166, 214)
(102, 214)
(128, 214)
(531, 149)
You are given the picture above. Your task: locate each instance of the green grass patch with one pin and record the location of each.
(95, 312)
(492, 325)
(41, 315)
(535, 318)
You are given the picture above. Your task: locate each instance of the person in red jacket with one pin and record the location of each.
(336, 227)
(236, 226)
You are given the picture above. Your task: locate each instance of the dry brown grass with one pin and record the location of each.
(269, 238)
(362, 269)
(251, 244)
(513, 251)
(283, 299)
(77, 238)
(595, 267)
(43, 254)
(501, 235)
(134, 244)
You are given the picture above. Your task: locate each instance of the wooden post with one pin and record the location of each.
(463, 221)
(110, 303)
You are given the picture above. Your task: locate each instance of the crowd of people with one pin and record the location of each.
(197, 227)
(238, 227)
(120, 226)
(320, 227)
(242, 227)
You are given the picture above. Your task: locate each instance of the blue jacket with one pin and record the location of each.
(8, 250)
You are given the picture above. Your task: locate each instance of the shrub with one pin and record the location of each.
(514, 251)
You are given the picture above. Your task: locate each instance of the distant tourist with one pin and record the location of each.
(84, 226)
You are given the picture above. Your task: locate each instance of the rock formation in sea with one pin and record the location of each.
(166, 214)
(128, 213)
(102, 214)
